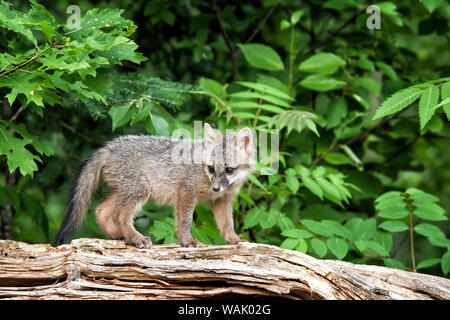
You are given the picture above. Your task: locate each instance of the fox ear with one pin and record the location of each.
(243, 140)
(211, 135)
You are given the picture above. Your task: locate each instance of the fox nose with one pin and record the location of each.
(216, 189)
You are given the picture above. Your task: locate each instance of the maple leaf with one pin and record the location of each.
(21, 83)
(16, 153)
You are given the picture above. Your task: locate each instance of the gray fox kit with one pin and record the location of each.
(176, 172)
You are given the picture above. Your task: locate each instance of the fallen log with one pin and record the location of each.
(108, 269)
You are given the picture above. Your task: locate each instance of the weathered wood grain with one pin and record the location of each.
(107, 269)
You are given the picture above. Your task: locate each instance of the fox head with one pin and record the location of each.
(228, 158)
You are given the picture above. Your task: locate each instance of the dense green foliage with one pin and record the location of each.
(361, 116)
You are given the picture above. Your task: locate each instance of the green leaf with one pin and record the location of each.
(319, 247)
(427, 104)
(268, 219)
(393, 212)
(365, 230)
(322, 211)
(118, 115)
(429, 230)
(259, 95)
(338, 247)
(365, 64)
(296, 16)
(432, 5)
(294, 120)
(337, 110)
(389, 9)
(387, 70)
(15, 21)
(355, 159)
(265, 89)
(312, 186)
(445, 262)
(290, 243)
(394, 226)
(284, 24)
(293, 184)
(363, 102)
(428, 263)
(369, 84)
(439, 242)
(262, 56)
(16, 153)
(40, 147)
(397, 102)
(325, 63)
(445, 96)
(213, 86)
(377, 248)
(433, 213)
(385, 239)
(340, 4)
(329, 191)
(419, 196)
(123, 52)
(302, 246)
(252, 218)
(321, 82)
(317, 227)
(297, 233)
(160, 124)
(284, 223)
(390, 196)
(254, 180)
(337, 229)
(337, 158)
(28, 84)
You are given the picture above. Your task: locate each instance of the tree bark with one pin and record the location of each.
(108, 269)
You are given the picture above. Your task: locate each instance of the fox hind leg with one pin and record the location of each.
(104, 214)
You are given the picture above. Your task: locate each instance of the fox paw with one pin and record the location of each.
(141, 242)
(192, 243)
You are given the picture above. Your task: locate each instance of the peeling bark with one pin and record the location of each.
(107, 269)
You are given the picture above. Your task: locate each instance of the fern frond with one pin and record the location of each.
(294, 120)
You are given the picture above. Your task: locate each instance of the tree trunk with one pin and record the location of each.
(107, 269)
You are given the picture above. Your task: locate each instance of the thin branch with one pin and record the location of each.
(14, 117)
(73, 130)
(402, 150)
(3, 73)
(228, 42)
(260, 25)
(411, 233)
(334, 33)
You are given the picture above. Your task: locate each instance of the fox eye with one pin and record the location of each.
(211, 169)
(229, 170)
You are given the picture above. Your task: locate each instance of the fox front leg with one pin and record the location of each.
(223, 213)
(184, 212)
